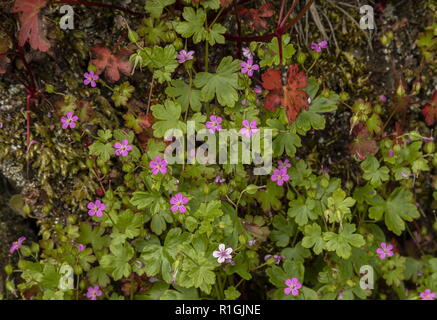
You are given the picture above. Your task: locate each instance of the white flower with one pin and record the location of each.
(222, 254)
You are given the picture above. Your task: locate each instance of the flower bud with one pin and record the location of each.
(9, 269)
(416, 87)
(400, 91)
(429, 147)
(133, 36)
(301, 57)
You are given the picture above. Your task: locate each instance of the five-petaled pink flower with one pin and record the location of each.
(158, 165)
(293, 286)
(69, 120)
(284, 164)
(248, 67)
(223, 253)
(178, 203)
(385, 250)
(184, 56)
(16, 244)
(249, 128)
(427, 295)
(280, 176)
(215, 124)
(90, 78)
(80, 247)
(96, 208)
(319, 46)
(93, 293)
(123, 148)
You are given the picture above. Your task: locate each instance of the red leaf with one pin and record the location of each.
(295, 99)
(113, 63)
(254, 16)
(363, 144)
(146, 120)
(291, 96)
(3, 63)
(430, 110)
(273, 100)
(272, 79)
(31, 26)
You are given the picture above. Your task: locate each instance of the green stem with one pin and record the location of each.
(216, 17)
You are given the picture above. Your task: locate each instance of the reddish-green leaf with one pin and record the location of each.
(112, 63)
(430, 110)
(31, 26)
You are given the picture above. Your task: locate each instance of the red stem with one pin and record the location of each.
(279, 31)
(299, 16)
(281, 12)
(96, 4)
(283, 21)
(29, 100)
(30, 90)
(237, 17)
(265, 38)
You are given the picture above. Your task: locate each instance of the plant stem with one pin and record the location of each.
(279, 31)
(284, 20)
(150, 94)
(216, 17)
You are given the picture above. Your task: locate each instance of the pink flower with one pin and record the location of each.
(427, 295)
(284, 164)
(158, 165)
(16, 244)
(90, 78)
(96, 208)
(80, 247)
(383, 98)
(385, 250)
(215, 124)
(258, 89)
(222, 254)
(319, 46)
(123, 148)
(249, 128)
(178, 203)
(247, 53)
(93, 293)
(280, 176)
(69, 120)
(293, 286)
(184, 56)
(248, 67)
